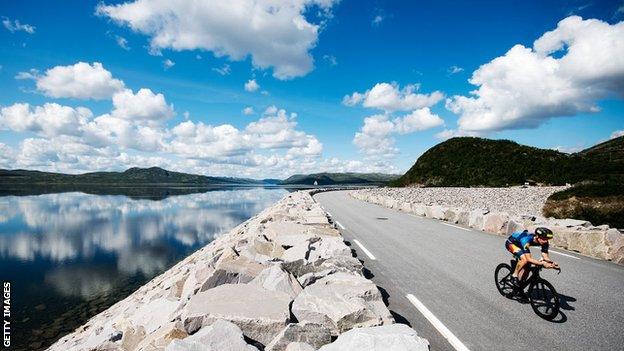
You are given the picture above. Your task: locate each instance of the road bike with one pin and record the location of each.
(542, 295)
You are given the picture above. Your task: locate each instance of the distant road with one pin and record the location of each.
(448, 273)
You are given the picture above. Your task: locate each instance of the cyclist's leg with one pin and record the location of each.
(522, 266)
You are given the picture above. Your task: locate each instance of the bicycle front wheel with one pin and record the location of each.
(502, 278)
(544, 299)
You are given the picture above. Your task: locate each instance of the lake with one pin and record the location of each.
(71, 255)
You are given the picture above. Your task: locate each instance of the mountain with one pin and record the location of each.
(339, 178)
(132, 176)
(468, 161)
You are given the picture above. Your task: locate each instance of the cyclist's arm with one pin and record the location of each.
(530, 259)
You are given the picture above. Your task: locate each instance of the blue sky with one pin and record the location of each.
(339, 85)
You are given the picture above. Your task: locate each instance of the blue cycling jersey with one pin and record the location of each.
(524, 240)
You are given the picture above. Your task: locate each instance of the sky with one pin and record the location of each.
(271, 88)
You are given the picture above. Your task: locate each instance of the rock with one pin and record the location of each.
(219, 336)
(262, 250)
(260, 313)
(316, 249)
(475, 219)
(313, 334)
(163, 337)
(275, 278)
(395, 337)
(341, 301)
(569, 223)
(435, 211)
(308, 272)
(496, 222)
(132, 337)
(513, 226)
(153, 314)
(299, 346)
(233, 270)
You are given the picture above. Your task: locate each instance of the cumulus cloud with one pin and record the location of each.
(50, 119)
(375, 136)
(251, 85)
(377, 20)
(80, 81)
(16, 26)
(273, 33)
(248, 111)
(144, 105)
(566, 72)
(390, 97)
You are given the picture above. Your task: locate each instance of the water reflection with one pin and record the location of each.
(62, 251)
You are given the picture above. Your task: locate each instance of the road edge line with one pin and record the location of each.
(564, 254)
(340, 225)
(456, 226)
(368, 253)
(442, 329)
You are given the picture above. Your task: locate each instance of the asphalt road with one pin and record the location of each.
(450, 271)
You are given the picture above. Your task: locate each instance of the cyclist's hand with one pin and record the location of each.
(548, 264)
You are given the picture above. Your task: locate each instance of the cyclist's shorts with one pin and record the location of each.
(514, 250)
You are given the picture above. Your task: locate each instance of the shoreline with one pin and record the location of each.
(280, 280)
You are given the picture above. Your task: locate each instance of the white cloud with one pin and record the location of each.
(122, 42)
(16, 26)
(168, 64)
(377, 20)
(617, 134)
(248, 111)
(50, 119)
(80, 81)
(453, 133)
(375, 136)
(331, 60)
(223, 70)
(390, 97)
(567, 72)
(144, 105)
(417, 120)
(252, 85)
(455, 69)
(274, 33)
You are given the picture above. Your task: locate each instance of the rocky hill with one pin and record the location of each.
(339, 178)
(470, 161)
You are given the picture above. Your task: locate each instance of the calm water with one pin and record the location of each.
(69, 256)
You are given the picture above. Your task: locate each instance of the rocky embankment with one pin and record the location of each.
(501, 211)
(283, 280)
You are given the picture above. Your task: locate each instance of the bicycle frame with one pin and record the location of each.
(533, 273)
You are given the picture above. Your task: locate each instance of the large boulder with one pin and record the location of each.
(313, 334)
(291, 233)
(260, 313)
(219, 336)
(395, 337)
(316, 249)
(275, 278)
(233, 269)
(496, 222)
(341, 301)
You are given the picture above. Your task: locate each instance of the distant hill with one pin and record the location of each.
(470, 161)
(339, 178)
(153, 175)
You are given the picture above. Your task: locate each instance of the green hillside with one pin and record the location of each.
(470, 161)
(339, 178)
(153, 175)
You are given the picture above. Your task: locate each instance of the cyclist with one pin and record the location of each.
(518, 244)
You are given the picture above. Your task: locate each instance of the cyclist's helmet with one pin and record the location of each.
(544, 233)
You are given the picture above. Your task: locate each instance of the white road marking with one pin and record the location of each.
(368, 253)
(562, 254)
(450, 337)
(456, 226)
(340, 225)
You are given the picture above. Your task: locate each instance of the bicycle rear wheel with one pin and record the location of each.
(502, 278)
(544, 299)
